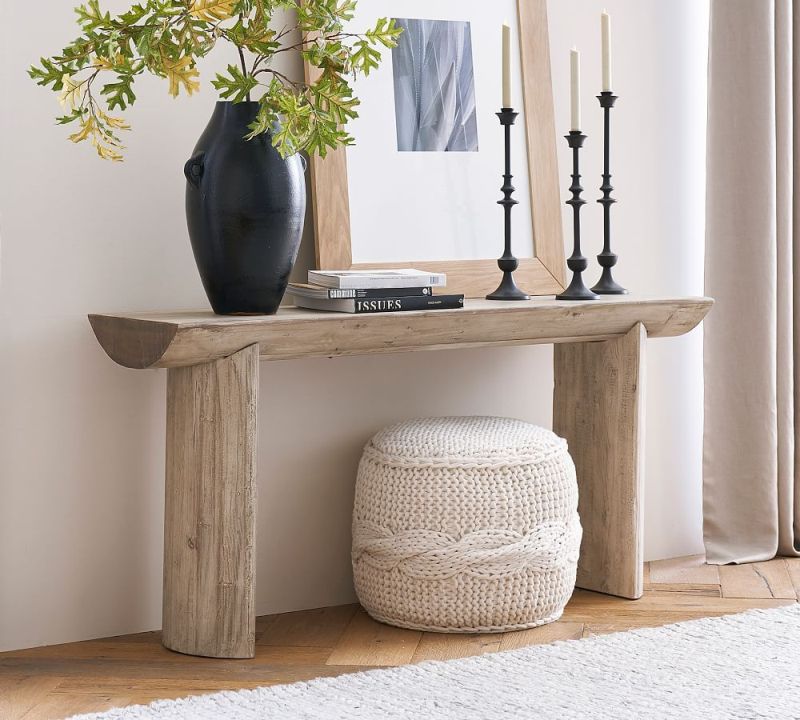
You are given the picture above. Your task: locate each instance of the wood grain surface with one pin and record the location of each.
(188, 338)
(209, 527)
(51, 683)
(598, 406)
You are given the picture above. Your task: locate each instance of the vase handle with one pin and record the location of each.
(194, 169)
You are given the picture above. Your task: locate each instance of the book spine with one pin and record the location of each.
(376, 293)
(400, 304)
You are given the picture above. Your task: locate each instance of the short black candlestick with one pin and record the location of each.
(577, 261)
(607, 259)
(507, 290)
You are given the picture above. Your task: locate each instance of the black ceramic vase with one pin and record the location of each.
(245, 206)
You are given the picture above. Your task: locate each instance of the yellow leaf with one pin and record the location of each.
(212, 10)
(70, 95)
(103, 63)
(114, 122)
(93, 128)
(106, 149)
(182, 72)
(107, 153)
(87, 128)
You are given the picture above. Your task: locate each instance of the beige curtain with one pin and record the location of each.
(752, 339)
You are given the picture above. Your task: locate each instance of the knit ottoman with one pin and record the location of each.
(465, 524)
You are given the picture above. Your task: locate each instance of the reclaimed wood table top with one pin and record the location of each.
(177, 339)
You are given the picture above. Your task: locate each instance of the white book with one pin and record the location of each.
(370, 279)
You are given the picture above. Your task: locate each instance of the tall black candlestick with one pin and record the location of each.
(507, 290)
(577, 261)
(607, 259)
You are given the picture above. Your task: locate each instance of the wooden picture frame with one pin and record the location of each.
(543, 274)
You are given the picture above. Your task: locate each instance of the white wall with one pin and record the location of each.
(81, 439)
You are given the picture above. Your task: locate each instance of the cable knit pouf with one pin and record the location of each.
(465, 524)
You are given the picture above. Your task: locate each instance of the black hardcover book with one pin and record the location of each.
(377, 305)
(322, 293)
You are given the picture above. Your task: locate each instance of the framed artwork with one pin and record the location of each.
(421, 185)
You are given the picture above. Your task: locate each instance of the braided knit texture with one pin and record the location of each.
(465, 524)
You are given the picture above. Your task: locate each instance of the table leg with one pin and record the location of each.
(598, 406)
(209, 531)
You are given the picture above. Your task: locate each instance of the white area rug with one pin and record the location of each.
(741, 666)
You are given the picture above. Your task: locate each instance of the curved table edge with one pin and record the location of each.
(133, 343)
(141, 342)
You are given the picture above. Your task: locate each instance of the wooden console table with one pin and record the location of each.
(212, 393)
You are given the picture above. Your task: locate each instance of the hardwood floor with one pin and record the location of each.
(55, 682)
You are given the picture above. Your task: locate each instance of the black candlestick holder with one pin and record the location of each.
(577, 261)
(607, 259)
(507, 290)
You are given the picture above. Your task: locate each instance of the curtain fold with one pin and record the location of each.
(751, 501)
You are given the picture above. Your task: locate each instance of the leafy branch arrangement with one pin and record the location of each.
(168, 37)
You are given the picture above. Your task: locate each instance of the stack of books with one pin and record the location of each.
(373, 291)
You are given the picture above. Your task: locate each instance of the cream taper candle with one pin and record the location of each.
(575, 89)
(506, 65)
(605, 32)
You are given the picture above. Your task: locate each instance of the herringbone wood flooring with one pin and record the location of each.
(58, 681)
